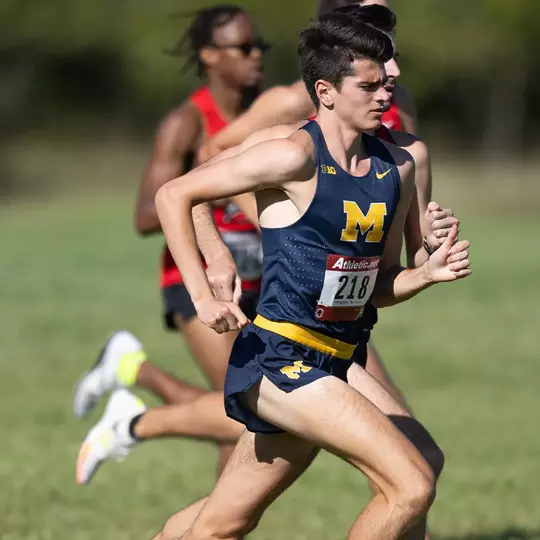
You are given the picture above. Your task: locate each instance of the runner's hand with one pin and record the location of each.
(221, 316)
(439, 222)
(450, 261)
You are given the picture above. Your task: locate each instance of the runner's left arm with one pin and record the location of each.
(396, 284)
(425, 219)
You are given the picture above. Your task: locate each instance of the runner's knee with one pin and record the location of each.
(416, 495)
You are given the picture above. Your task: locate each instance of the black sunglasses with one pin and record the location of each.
(247, 47)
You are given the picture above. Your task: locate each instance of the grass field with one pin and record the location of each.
(466, 355)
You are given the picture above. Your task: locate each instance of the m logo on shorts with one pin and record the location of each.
(293, 372)
(372, 222)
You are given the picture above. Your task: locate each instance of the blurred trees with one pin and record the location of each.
(473, 67)
(470, 64)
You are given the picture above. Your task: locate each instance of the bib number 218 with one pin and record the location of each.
(347, 287)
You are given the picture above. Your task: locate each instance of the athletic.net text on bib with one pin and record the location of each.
(348, 285)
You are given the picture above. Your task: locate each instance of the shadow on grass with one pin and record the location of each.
(508, 534)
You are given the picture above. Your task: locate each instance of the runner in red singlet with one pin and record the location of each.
(223, 43)
(238, 232)
(391, 118)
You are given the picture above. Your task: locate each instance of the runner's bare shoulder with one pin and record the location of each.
(181, 125)
(413, 145)
(291, 103)
(281, 131)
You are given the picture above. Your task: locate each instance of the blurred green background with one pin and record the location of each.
(83, 85)
(98, 65)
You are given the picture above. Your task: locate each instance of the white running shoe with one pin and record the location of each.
(116, 367)
(110, 437)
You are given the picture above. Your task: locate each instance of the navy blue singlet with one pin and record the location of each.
(320, 272)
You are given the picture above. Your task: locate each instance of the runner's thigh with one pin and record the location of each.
(333, 415)
(261, 467)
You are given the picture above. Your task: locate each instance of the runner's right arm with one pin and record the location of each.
(270, 164)
(246, 201)
(174, 141)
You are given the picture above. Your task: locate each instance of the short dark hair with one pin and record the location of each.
(376, 15)
(326, 6)
(199, 33)
(331, 44)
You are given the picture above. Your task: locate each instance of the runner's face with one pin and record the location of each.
(362, 97)
(238, 52)
(392, 72)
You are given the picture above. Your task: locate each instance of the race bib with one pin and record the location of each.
(246, 249)
(348, 285)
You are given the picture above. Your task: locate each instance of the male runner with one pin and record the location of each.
(203, 416)
(290, 104)
(223, 43)
(332, 207)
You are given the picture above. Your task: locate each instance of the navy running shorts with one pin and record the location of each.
(286, 362)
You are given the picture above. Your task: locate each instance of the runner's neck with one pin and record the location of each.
(228, 99)
(344, 143)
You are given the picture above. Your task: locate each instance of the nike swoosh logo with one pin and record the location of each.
(380, 176)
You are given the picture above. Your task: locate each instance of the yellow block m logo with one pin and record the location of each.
(373, 222)
(293, 372)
